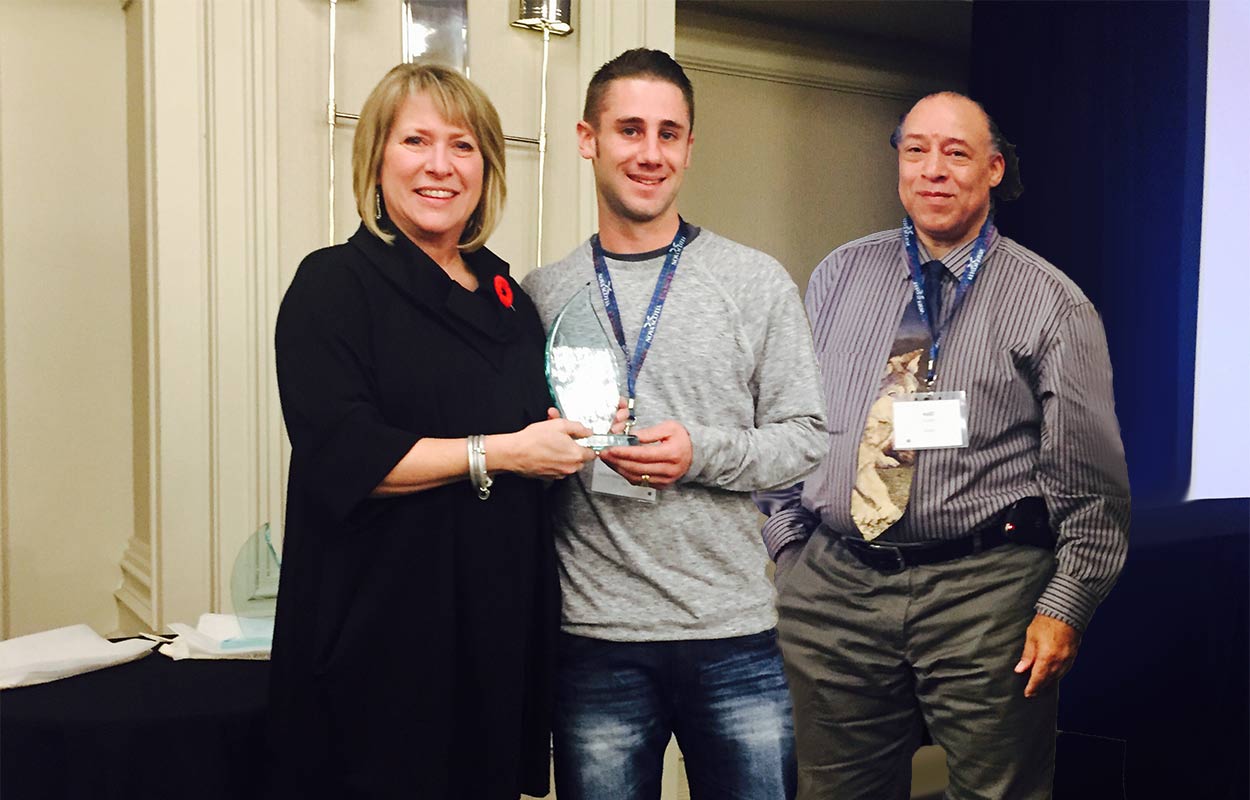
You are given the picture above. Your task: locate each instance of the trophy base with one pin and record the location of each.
(603, 441)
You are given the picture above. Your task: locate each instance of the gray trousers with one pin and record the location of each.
(874, 658)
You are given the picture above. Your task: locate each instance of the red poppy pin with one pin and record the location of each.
(504, 291)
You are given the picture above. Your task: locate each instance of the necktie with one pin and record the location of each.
(933, 271)
(883, 474)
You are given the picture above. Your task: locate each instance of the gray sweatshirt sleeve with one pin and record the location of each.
(787, 440)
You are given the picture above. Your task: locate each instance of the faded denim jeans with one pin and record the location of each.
(726, 700)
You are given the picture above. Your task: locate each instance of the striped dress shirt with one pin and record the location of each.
(1029, 349)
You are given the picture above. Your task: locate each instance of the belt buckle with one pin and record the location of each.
(886, 558)
(899, 565)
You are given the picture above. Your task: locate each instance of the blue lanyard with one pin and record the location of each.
(646, 335)
(975, 261)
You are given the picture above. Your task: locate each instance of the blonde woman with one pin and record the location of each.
(418, 596)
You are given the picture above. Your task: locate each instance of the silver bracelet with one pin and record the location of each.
(478, 475)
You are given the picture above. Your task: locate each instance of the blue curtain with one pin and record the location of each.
(1106, 103)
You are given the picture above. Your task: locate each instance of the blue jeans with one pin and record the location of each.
(618, 703)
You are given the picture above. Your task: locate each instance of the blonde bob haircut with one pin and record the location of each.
(460, 102)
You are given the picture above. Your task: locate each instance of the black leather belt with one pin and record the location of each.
(1023, 522)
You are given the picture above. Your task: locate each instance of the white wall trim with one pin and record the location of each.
(243, 264)
(271, 435)
(275, 446)
(176, 162)
(773, 74)
(712, 43)
(135, 592)
(216, 242)
(5, 583)
(212, 291)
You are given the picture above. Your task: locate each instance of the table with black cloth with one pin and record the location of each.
(153, 728)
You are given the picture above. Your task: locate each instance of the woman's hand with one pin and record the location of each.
(540, 450)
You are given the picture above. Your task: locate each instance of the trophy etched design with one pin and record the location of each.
(585, 372)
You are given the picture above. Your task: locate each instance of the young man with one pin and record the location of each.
(668, 622)
(972, 511)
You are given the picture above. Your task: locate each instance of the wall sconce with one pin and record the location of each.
(553, 15)
(436, 30)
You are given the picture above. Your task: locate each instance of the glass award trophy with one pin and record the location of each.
(585, 371)
(254, 592)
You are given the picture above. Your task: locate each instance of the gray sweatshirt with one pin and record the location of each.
(732, 361)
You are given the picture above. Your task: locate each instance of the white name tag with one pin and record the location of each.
(605, 480)
(930, 420)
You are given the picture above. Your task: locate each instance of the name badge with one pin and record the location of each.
(605, 480)
(930, 420)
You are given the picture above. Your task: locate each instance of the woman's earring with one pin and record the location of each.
(377, 202)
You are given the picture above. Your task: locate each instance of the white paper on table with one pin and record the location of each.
(60, 653)
(206, 638)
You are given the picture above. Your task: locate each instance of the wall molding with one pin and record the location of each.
(774, 74)
(210, 281)
(782, 54)
(135, 592)
(5, 583)
(243, 265)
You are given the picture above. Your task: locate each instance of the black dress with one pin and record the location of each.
(413, 640)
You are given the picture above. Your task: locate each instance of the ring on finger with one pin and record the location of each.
(645, 481)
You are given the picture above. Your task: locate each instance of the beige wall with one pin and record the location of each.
(791, 132)
(65, 450)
